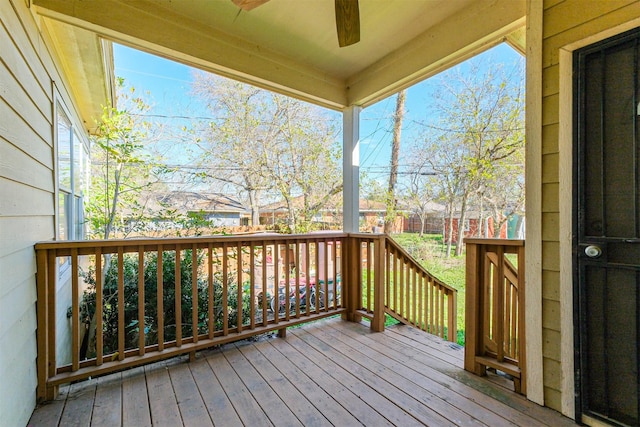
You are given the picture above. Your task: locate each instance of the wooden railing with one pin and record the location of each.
(137, 301)
(494, 310)
(158, 298)
(409, 293)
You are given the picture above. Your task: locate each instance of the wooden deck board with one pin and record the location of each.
(135, 399)
(325, 373)
(192, 408)
(162, 400)
(249, 411)
(215, 399)
(107, 408)
(424, 390)
(273, 406)
(297, 401)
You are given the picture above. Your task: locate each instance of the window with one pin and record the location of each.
(72, 159)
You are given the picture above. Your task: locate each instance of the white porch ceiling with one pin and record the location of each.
(291, 46)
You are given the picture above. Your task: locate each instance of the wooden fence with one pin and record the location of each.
(494, 309)
(136, 301)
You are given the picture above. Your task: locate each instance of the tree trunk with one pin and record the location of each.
(423, 220)
(255, 210)
(450, 235)
(463, 218)
(395, 152)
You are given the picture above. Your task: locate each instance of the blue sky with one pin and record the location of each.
(168, 84)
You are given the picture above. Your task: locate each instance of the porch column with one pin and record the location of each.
(351, 168)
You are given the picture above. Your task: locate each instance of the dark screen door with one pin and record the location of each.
(607, 229)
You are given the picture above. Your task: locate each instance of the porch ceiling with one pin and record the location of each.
(291, 46)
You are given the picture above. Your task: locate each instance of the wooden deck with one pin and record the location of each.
(326, 373)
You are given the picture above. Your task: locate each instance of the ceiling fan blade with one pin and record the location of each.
(248, 4)
(347, 22)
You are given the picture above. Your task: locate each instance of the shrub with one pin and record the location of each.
(111, 302)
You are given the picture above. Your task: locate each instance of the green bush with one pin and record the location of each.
(111, 302)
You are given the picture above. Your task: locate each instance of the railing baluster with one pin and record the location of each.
(252, 284)
(211, 308)
(141, 323)
(194, 292)
(225, 288)
(240, 308)
(160, 297)
(121, 303)
(296, 262)
(75, 312)
(265, 295)
(99, 308)
(287, 280)
(307, 244)
(178, 295)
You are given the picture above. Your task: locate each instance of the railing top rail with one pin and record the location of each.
(497, 242)
(269, 237)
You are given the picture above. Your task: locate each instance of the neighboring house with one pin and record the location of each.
(472, 228)
(371, 214)
(581, 310)
(199, 209)
(433, 221)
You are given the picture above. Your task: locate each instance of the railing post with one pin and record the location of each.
(452, 327)
(522, 356)
(377, 323)
(473, 312)
(42, 336)
(352, 281)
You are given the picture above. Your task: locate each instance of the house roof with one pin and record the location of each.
(291, 47)
(186, 201)
(365, 205)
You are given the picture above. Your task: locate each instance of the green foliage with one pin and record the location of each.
(132, 322)
(121, 170)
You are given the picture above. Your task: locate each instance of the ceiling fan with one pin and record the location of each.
(347, 18)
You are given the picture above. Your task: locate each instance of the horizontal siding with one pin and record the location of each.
(21, 232)
(17, 199)
(19, 378)
(15, 269)
(16, 165)
(26, 199)
(571, 14)
(18, 305)
(565, 22)
(21, 101)
(615, 17)
(26, 39)
(15, 130)
(18, 65)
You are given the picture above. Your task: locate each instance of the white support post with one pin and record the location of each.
(351, 168)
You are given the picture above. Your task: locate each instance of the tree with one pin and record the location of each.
(121, 168)
(481, 124)
(392, 200)
(265, 144)
(420, 190)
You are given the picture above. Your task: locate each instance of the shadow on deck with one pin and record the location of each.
(330, 372)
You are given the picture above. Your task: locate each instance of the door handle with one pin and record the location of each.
(593, 251)
(632, 240)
